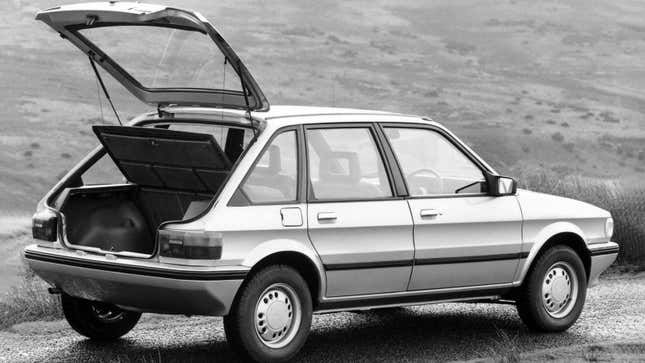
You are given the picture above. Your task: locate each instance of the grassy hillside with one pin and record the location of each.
(532, 86)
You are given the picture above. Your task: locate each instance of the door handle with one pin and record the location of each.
(327, 216)
(429, 213)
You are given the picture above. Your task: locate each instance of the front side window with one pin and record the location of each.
(432, 165)
(274, 178)
(345, 163)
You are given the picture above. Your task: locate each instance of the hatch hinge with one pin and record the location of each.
(162, 113)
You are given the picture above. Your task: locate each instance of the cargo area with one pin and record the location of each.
(171, 176)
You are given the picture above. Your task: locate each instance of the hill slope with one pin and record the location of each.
(530, 85)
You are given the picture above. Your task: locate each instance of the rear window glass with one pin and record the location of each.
(159, 57)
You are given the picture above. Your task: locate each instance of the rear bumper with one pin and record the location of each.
(602, 256)
(141, 285)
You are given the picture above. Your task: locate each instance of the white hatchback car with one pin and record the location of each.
(265, 215)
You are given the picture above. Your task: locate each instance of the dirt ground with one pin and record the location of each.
(614, 313)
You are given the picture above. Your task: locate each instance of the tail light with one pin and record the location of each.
(197, 245)
(44, 225)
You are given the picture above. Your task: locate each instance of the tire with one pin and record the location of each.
(554, 291)
(271, 316)
(97, 320)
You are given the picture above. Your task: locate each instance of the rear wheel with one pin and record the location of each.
(554, 291)
(97, 320)
(271, 317)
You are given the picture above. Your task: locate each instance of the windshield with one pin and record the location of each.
(164, 57)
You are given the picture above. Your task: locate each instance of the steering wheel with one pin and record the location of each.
(425, 170)
(418, 173)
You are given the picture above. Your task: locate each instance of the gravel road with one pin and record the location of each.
(615, 312)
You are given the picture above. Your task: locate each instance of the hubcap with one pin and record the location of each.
(559, 290)
(277, 315)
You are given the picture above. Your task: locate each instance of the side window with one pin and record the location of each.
(432, 165)
(274, 178)
(345, 164)
(233, 140)
(104, 171)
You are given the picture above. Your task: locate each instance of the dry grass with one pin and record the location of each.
(504, 348)
(627, 207)
(29, 300)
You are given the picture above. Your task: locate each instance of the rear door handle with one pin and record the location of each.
(425, 213)
(327, 216)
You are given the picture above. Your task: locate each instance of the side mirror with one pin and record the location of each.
(500, 185)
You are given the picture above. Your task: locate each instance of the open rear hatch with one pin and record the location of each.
(163, 55)
(173, 176)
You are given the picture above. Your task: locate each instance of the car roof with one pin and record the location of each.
(280, 111)
(283, 115)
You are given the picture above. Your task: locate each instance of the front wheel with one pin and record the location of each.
(271, 317)
(554, 291)
(97, 320)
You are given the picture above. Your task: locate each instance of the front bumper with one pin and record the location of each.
(602, 256)
(140, 285)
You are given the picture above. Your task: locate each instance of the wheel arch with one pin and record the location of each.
(556, 235)
(298, 261)
(294, 254)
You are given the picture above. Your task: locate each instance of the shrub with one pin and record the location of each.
(558, 137)
(608, 117)
(29, 301)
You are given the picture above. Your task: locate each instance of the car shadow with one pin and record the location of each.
(130, 350)
(429, 333)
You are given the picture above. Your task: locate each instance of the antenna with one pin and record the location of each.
(333, 92)
(107, 95)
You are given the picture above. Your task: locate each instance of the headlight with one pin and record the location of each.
(609, 227)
